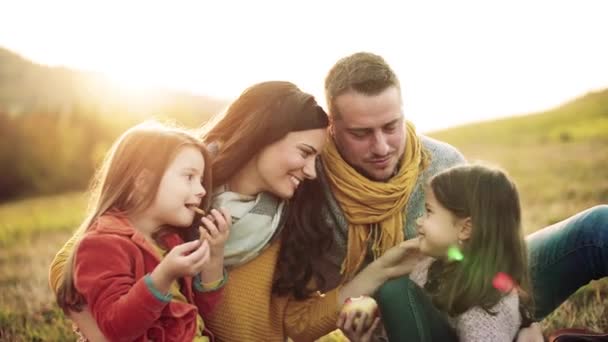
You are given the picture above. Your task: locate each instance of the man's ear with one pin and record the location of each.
(332, 127)
(466, 229)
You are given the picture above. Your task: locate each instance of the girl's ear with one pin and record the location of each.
(466, 229)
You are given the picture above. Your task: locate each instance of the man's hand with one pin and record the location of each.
(396, 262)
(533, 333)
(401, 259)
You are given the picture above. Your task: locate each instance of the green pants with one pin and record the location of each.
(409, 315)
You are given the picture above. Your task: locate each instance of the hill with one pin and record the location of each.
(57, 123)
(584, 118)
(27, 87)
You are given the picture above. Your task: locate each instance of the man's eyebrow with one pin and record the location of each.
(392, 122)
(365, 129)
(312, 149)
(359, 129)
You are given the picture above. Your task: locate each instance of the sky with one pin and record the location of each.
(458, 61)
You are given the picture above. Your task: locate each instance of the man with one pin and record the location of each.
(372, 173)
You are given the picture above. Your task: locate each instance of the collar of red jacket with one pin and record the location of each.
(116, 222)
(113, 222)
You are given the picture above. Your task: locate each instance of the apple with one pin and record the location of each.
(362, 304)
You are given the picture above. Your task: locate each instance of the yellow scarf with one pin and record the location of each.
(368, 203)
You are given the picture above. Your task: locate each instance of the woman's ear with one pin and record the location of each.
(466, 229)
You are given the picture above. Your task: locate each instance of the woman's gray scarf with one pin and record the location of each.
(255, 221)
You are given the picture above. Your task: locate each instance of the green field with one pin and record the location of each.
(31, 232)
(559, 160)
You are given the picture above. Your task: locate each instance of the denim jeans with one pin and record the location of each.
(566, 256)
(408, 314)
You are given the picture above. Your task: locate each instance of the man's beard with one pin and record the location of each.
(367, 175)
(364, 173)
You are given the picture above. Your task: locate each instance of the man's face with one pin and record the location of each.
(370, 133)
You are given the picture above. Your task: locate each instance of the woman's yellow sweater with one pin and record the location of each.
(249, 312)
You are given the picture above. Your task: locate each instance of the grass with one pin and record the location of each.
(27, 309)
(29, 219)
(31, 232)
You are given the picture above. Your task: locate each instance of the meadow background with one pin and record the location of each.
(56, 124)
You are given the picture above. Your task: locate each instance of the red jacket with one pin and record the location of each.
(111, 262)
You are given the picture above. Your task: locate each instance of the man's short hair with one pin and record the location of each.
(363, 72)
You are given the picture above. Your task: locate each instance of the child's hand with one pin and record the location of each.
(215, 230)
(186, 259)
(358, 326)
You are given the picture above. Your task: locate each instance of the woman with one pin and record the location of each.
(265, 146)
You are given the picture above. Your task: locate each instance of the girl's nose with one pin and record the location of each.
(419, 221)
(200, 191)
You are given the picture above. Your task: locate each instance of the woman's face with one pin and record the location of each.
(283, 165)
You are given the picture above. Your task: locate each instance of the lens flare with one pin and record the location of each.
(455, 254)
(502, 282)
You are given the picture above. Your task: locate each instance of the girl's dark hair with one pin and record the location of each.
(491, 200)
(263, 114)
